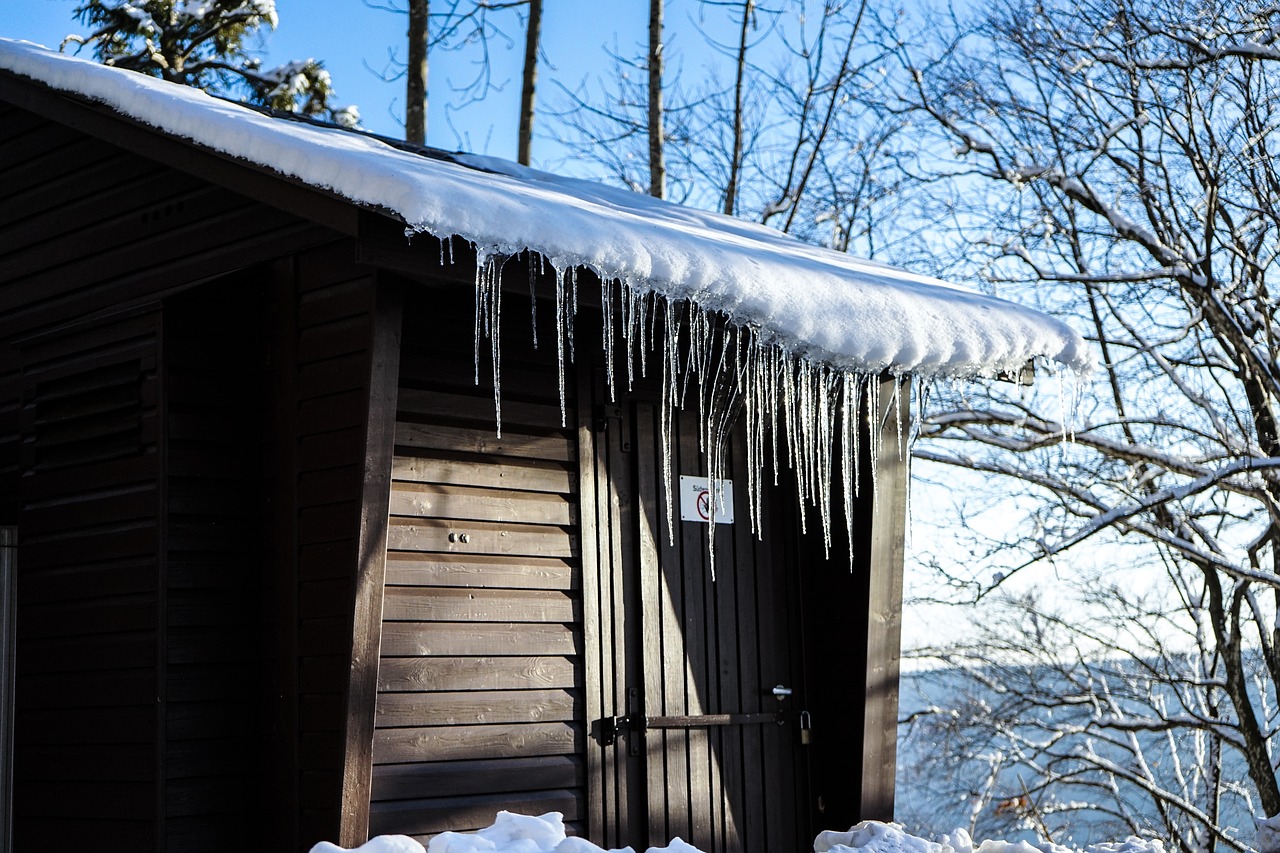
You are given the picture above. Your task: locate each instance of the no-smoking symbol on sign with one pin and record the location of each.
(704, 505)
(696, 500)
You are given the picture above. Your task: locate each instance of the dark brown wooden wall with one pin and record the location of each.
(329, 305)
(214, 581)
(86, 226)
(480, 683)
(87, 763)
(142, 594)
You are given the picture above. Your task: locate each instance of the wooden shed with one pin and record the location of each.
(274, 577)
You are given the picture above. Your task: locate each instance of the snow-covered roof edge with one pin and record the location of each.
(850, 313)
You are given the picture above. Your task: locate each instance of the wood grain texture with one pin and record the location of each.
(429, 500)
(884, 622)
(516, 540)
(460, 742)
(483, 441)
(422, 818)
(404, 639)
(482, 776)
(475, 673)
(479, 707)
(480, 571)
(420, 604)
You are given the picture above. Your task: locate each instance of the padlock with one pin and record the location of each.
(806, 730)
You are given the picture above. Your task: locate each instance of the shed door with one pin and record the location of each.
(712, 763)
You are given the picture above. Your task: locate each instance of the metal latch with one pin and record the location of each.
(606, 730)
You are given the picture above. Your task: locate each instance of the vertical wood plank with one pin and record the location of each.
(694, 573)
(736, 658)
(607, 534)
(626, 667)
(651, 517)
(362, 680)
(595, 663)
(884, 618)
(771, 558)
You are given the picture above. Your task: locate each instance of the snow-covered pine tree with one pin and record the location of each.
(201, 43)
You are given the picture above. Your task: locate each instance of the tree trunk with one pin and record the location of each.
(735, 162)
(1225, 624)
(415, 111)
(532, 36)
(657, 165)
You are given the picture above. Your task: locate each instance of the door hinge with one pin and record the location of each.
(613, 416)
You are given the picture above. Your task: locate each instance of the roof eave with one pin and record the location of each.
(248, 179)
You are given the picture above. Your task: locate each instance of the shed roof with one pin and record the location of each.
(853, 314)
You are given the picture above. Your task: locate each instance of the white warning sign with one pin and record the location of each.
(696, 502)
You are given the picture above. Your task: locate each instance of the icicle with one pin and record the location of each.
(897, 399)
(849, 428)
(876, 435)
(560, 335)
(649, 303)
(488, 323)
(533, 296)
(670, 365)
(606, 339)
(495, 340)
(794, 408)
(572, 312)
(479, 326)
(629, 332)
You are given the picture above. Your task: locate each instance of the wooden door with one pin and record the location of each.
(704, 749)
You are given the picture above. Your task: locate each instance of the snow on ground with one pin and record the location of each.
(852, 314)
(513, 833)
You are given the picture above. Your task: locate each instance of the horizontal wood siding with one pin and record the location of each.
(480, 700)
(86, 753)
(86, 226)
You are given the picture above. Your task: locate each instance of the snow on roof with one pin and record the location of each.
(853, 314)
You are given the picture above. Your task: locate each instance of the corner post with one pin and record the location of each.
(884, 606)
(366, 627)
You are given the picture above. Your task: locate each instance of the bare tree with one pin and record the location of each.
(739, 80)
(1079, 732)
(1112, 160)
(415, 76)
(533, 35)
(630, 127)
(657, 163)
(450, 24)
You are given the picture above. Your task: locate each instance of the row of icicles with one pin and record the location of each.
(810, 408)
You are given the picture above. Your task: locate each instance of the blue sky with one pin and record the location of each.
(347, 34)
